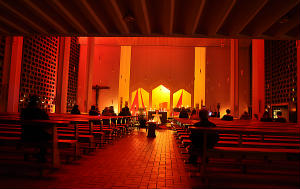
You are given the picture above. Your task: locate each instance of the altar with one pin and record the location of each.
(163, 117)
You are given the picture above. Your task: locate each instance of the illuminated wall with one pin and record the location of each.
(217, 87)
(199, 85)
(106, 73)
(143, 99)
(217, 78)
(244, 78)
(161, 97)
(124, 77)
(184, 97)
(170, 66)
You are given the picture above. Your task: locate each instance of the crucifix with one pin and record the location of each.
(97, 88)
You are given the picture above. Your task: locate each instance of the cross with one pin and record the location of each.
(97, 88)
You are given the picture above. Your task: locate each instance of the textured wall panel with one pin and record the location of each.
(38, 74)
(280, 72)
(73, 73)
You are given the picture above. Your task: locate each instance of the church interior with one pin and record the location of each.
(149, 94)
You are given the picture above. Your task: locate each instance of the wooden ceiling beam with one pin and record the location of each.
(213, 31)
(171, 16)
(191, 27)
(275, 17)
(146, 17)
(69, 16)
(44, 16)
(13, 25)
(292, 23)
(23, 17)
(89, 11)
(120, 22)
(4, 31)
(242, 26)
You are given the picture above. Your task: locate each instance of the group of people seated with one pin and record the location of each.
(197, 138)
(107, 111)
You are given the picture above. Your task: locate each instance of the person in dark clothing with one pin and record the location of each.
(75, 109)
(280, 118)
(33, 134)
(245, 116)
(183, 113)
(93, 111)
(227, 117)
(266, 117)
(125, 112)
(197, 137)
(194, 115)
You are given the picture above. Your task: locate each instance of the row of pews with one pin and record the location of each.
(72, 137)
(247, 150)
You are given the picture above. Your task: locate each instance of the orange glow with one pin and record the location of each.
(186, 98)
(161, 97)
(142, 99)
(124, 78)
(199, 84)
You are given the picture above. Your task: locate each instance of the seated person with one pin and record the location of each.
(93, 111)
(125, 112)
(266, 117)
(227, 117)
(183, 113)
(142, 121)
(197, 138)
(111, 112)
(280, 118)
(75, 110)
(32, 133)
(194, 115)
(245, 116)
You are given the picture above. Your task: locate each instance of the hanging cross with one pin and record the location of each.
(97, 88)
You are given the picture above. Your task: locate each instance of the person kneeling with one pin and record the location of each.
(197, 138)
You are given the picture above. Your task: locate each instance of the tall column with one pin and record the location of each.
(14, 75)
(199, 81)
(89, 71)
(124, 77)
(258, 77)
(234, 77)
(81, 83)
(62, 75)
(5, 74)
(298, 81)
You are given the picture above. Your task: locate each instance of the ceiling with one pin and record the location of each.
(267, 19)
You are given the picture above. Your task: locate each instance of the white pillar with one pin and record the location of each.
(298, 81)
(258, 77)
(199, 81)
(124, 77)
(81, 83)
(14, 74)
(234, 79)
(62, 75)
(89, 71)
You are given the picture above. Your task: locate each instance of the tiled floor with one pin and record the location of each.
(134, 161)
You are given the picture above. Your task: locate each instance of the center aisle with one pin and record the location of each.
(134, 161)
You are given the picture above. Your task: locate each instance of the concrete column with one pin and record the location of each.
(124, 77)
(14, 74)
(81, 84)
(234, 77)
(89, 72)
(298, 81)
(199, 81)
(62, 75)
(5, 75)
(258, 77)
